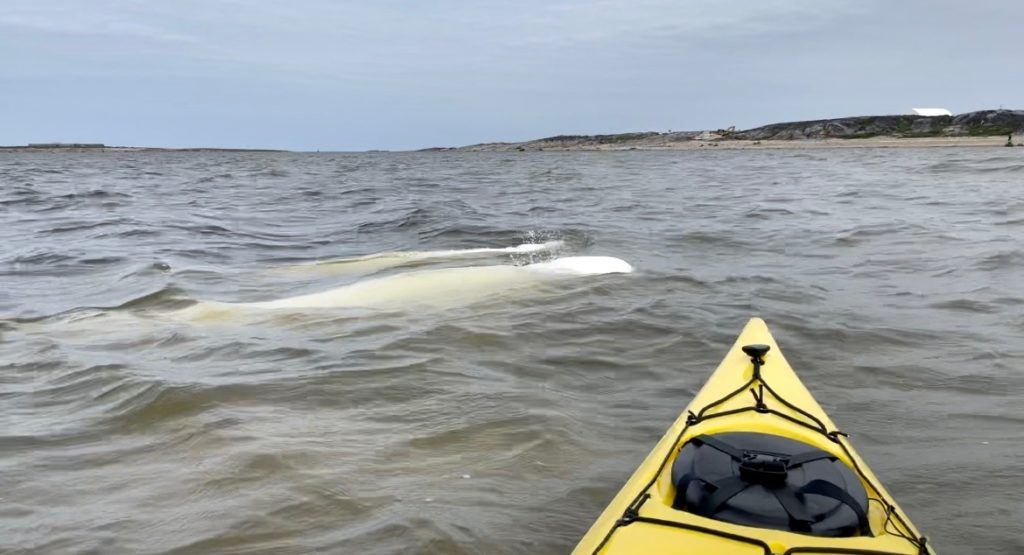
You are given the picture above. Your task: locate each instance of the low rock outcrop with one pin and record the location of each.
(971, 124)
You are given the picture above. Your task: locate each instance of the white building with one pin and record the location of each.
(931, 112)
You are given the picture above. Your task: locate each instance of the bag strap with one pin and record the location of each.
(726, 489)
(809, 456)
(719, 445)
(832, 491)
(799, 519)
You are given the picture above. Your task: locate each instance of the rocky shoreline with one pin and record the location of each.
(746, 144)
(982, 128)
(985, 128)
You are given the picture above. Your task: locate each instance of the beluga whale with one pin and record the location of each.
(436, 287)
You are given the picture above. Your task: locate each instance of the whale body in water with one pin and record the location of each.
(436, 284)
(438, 287)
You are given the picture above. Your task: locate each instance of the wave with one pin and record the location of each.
(967, 305)
(996, 164)
(1001, 260)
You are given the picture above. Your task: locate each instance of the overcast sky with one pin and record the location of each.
(354, 75)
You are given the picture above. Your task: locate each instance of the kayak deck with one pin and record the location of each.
(742, 396)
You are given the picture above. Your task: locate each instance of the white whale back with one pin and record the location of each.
(445, 285)
(380, 261)
(583, 266)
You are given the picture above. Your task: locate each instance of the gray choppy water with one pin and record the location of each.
(891, 278)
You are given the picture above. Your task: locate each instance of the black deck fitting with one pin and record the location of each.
(756, 351)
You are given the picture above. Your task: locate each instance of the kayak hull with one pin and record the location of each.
(640, 518)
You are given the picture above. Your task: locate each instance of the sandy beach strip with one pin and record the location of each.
(728, 144)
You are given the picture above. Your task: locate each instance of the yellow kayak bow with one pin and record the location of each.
(723, 479)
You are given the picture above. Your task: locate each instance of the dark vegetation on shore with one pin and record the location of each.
(984, 123)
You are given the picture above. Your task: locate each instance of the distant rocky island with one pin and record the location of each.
(981, 128)
(99, 147)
